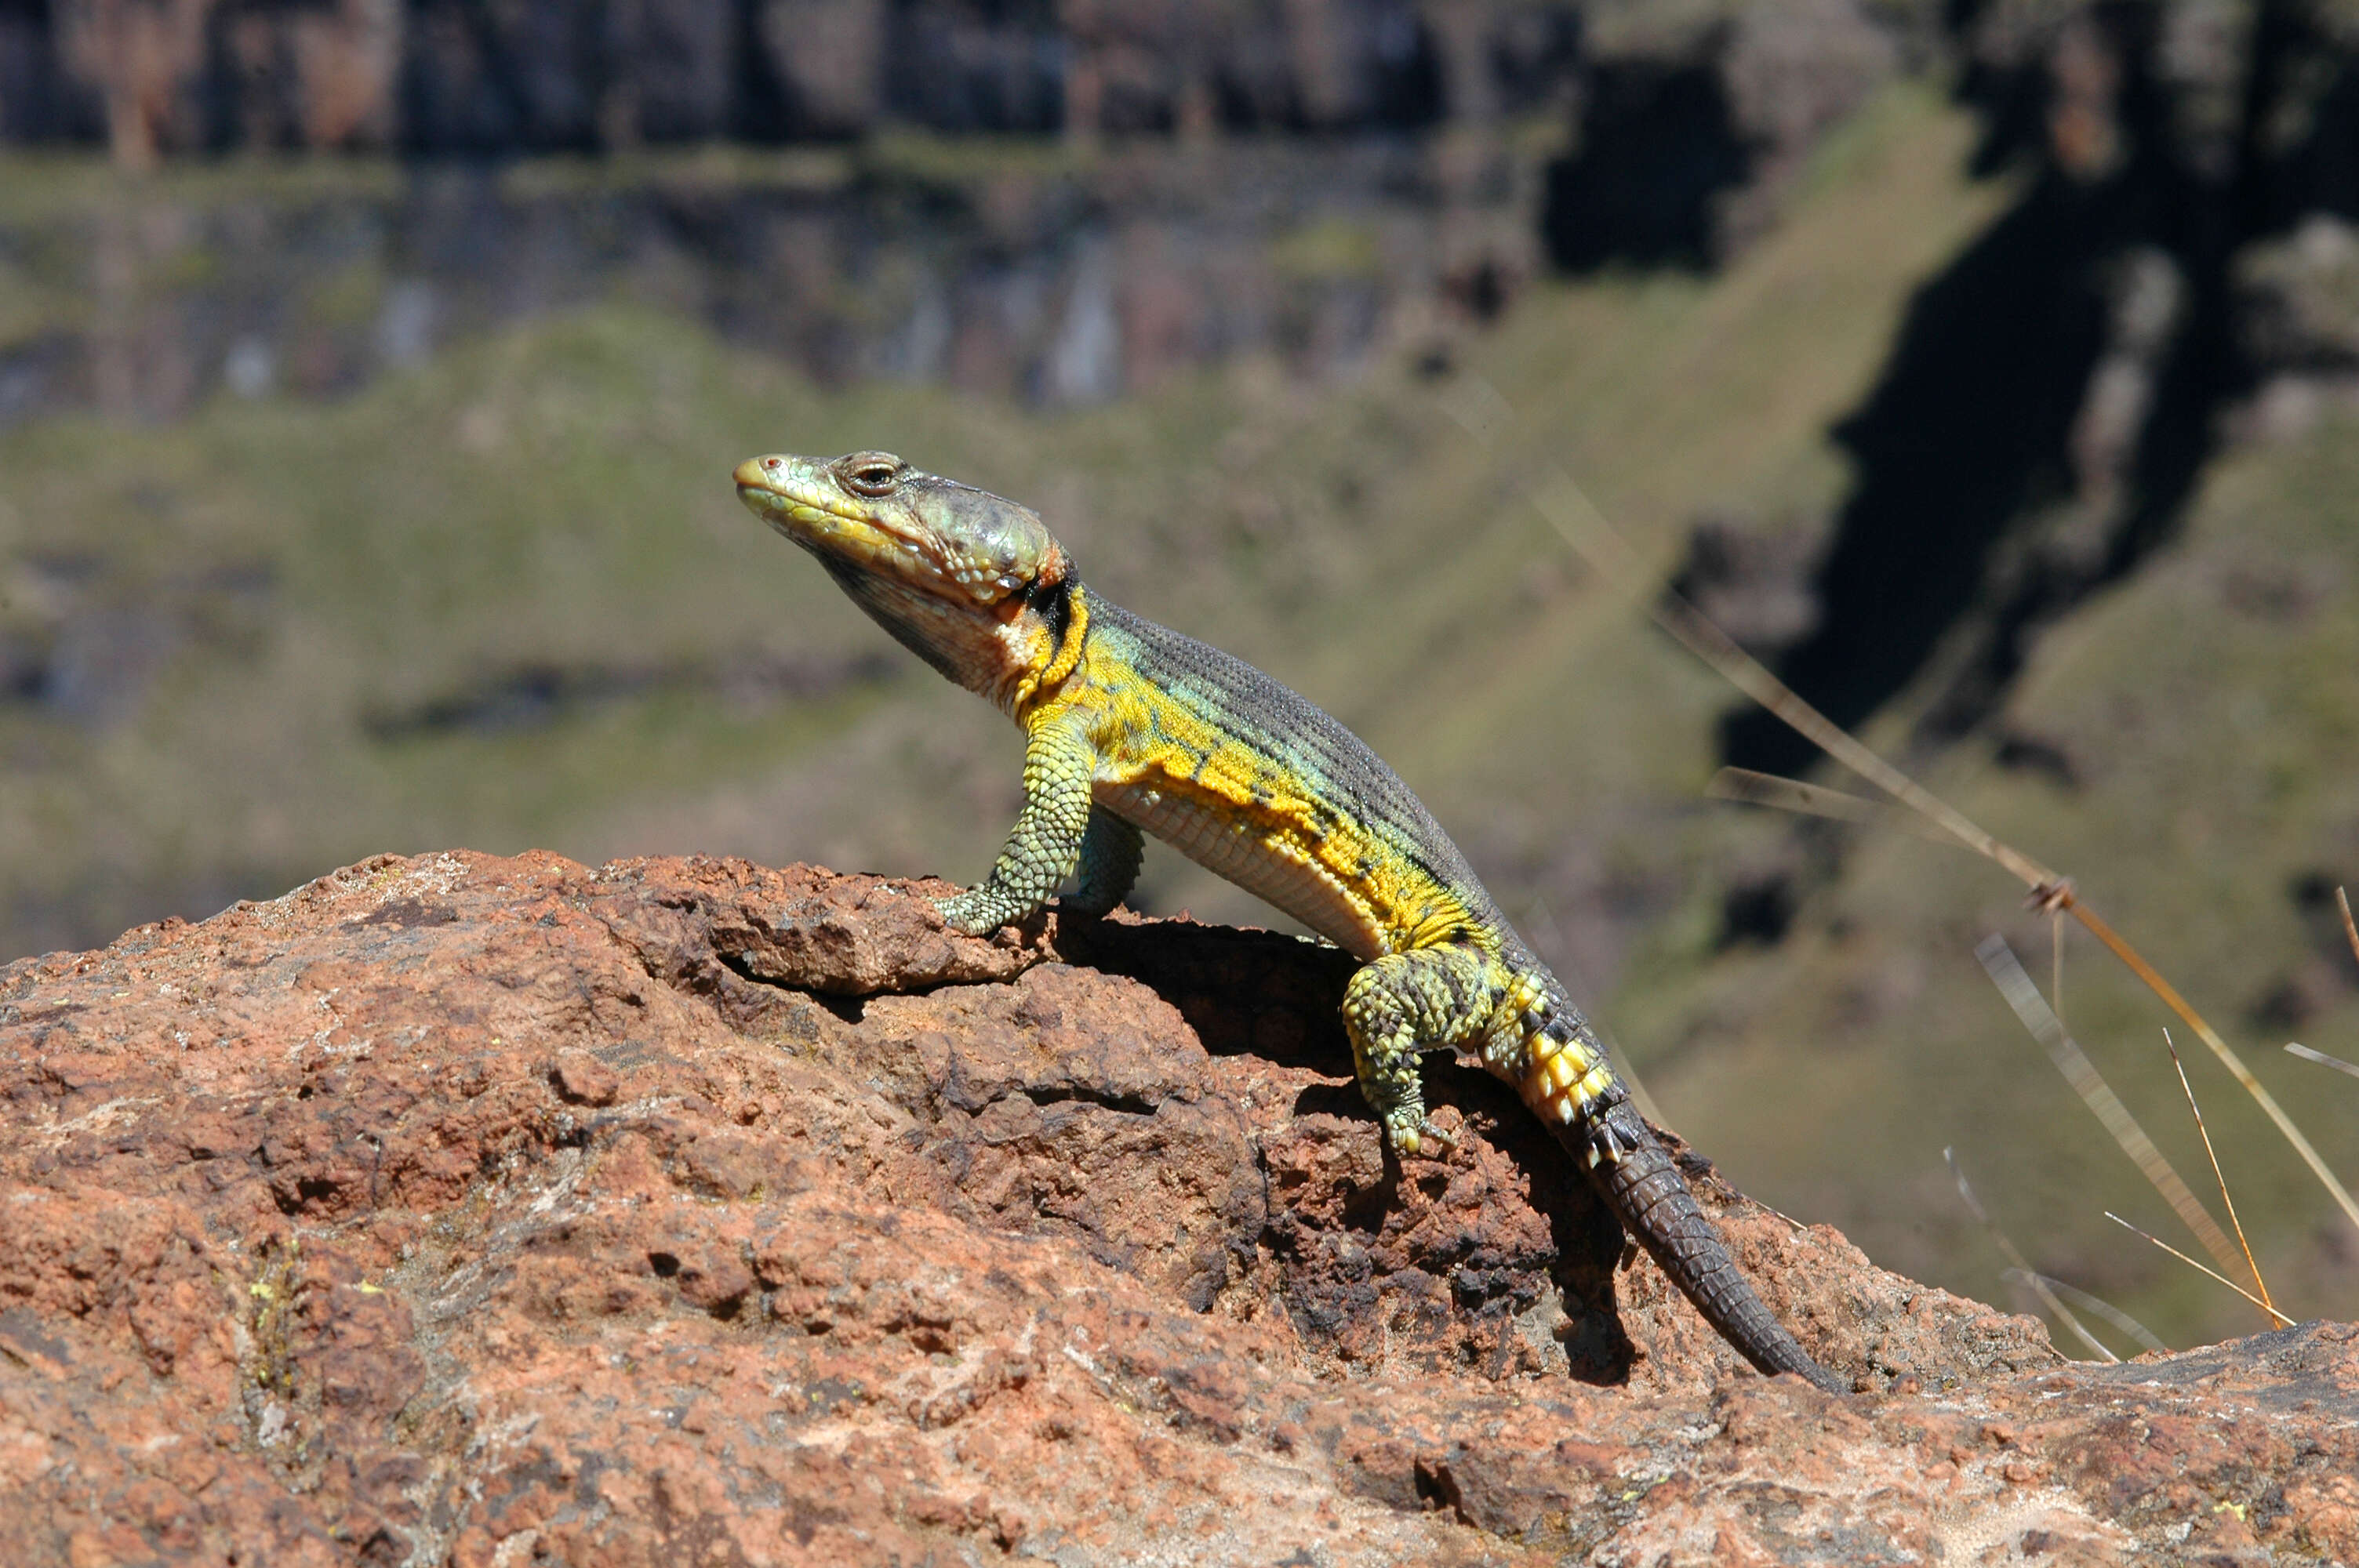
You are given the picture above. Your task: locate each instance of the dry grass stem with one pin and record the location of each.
(1999, 961)
(2206, 1133)
(2282, 1321)
(2229, 1059)
(1485, 414)
(2032, 1278)
(2056, 964)
(2099, 1305)
(1752, 788)
(2350, 929)
(2323, 1060)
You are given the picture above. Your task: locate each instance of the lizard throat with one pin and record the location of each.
(1044, 639)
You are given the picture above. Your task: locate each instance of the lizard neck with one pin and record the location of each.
(1045, 640)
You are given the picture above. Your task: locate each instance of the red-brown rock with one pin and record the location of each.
(492, 1211)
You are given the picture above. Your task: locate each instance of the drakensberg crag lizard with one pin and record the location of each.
(1132, 728)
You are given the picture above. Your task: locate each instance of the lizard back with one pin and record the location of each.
(1261, 786)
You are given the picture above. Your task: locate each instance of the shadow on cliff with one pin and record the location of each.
(1991, 496)
(1659, 148)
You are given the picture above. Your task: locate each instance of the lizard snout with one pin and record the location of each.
(755, 473)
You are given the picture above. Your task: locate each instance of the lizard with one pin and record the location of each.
(1132, 728)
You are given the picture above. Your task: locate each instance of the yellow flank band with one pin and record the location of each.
(1145, 737)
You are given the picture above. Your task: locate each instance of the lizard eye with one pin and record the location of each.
(870, 473)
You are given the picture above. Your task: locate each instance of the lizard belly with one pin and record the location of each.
(1273, 869)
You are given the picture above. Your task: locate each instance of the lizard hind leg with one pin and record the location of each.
(1402, 1003)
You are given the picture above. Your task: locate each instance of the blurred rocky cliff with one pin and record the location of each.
(1068, 203)
(2172, 278)
(1058, 202)
(1066, 200)
(160, 76)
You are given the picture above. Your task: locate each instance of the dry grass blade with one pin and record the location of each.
(2323, 1060)
(2099, 1305)
(2350, 928)
(2022, 1269)
(1751, 788)
(2282, 1321)
(1999, 962)
(2055, 964)
(2229, 1059)
(1478, 408)
(2197, 1111)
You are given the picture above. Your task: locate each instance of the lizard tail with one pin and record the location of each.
(1654, 1203)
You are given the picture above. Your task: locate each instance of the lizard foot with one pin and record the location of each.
(1409, 1130)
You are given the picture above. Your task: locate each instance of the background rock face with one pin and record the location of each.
(445, 76)
(485, 1210)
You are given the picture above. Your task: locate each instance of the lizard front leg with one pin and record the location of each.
(1045, 843)
(1403, 1003)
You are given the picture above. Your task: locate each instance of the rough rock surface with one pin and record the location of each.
(502, 1211)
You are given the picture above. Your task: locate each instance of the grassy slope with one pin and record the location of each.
(2211, 711)
(559, 496)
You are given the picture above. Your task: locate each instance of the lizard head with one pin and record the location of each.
(975, 585)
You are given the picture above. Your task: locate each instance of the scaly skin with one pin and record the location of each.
(1130, 727)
